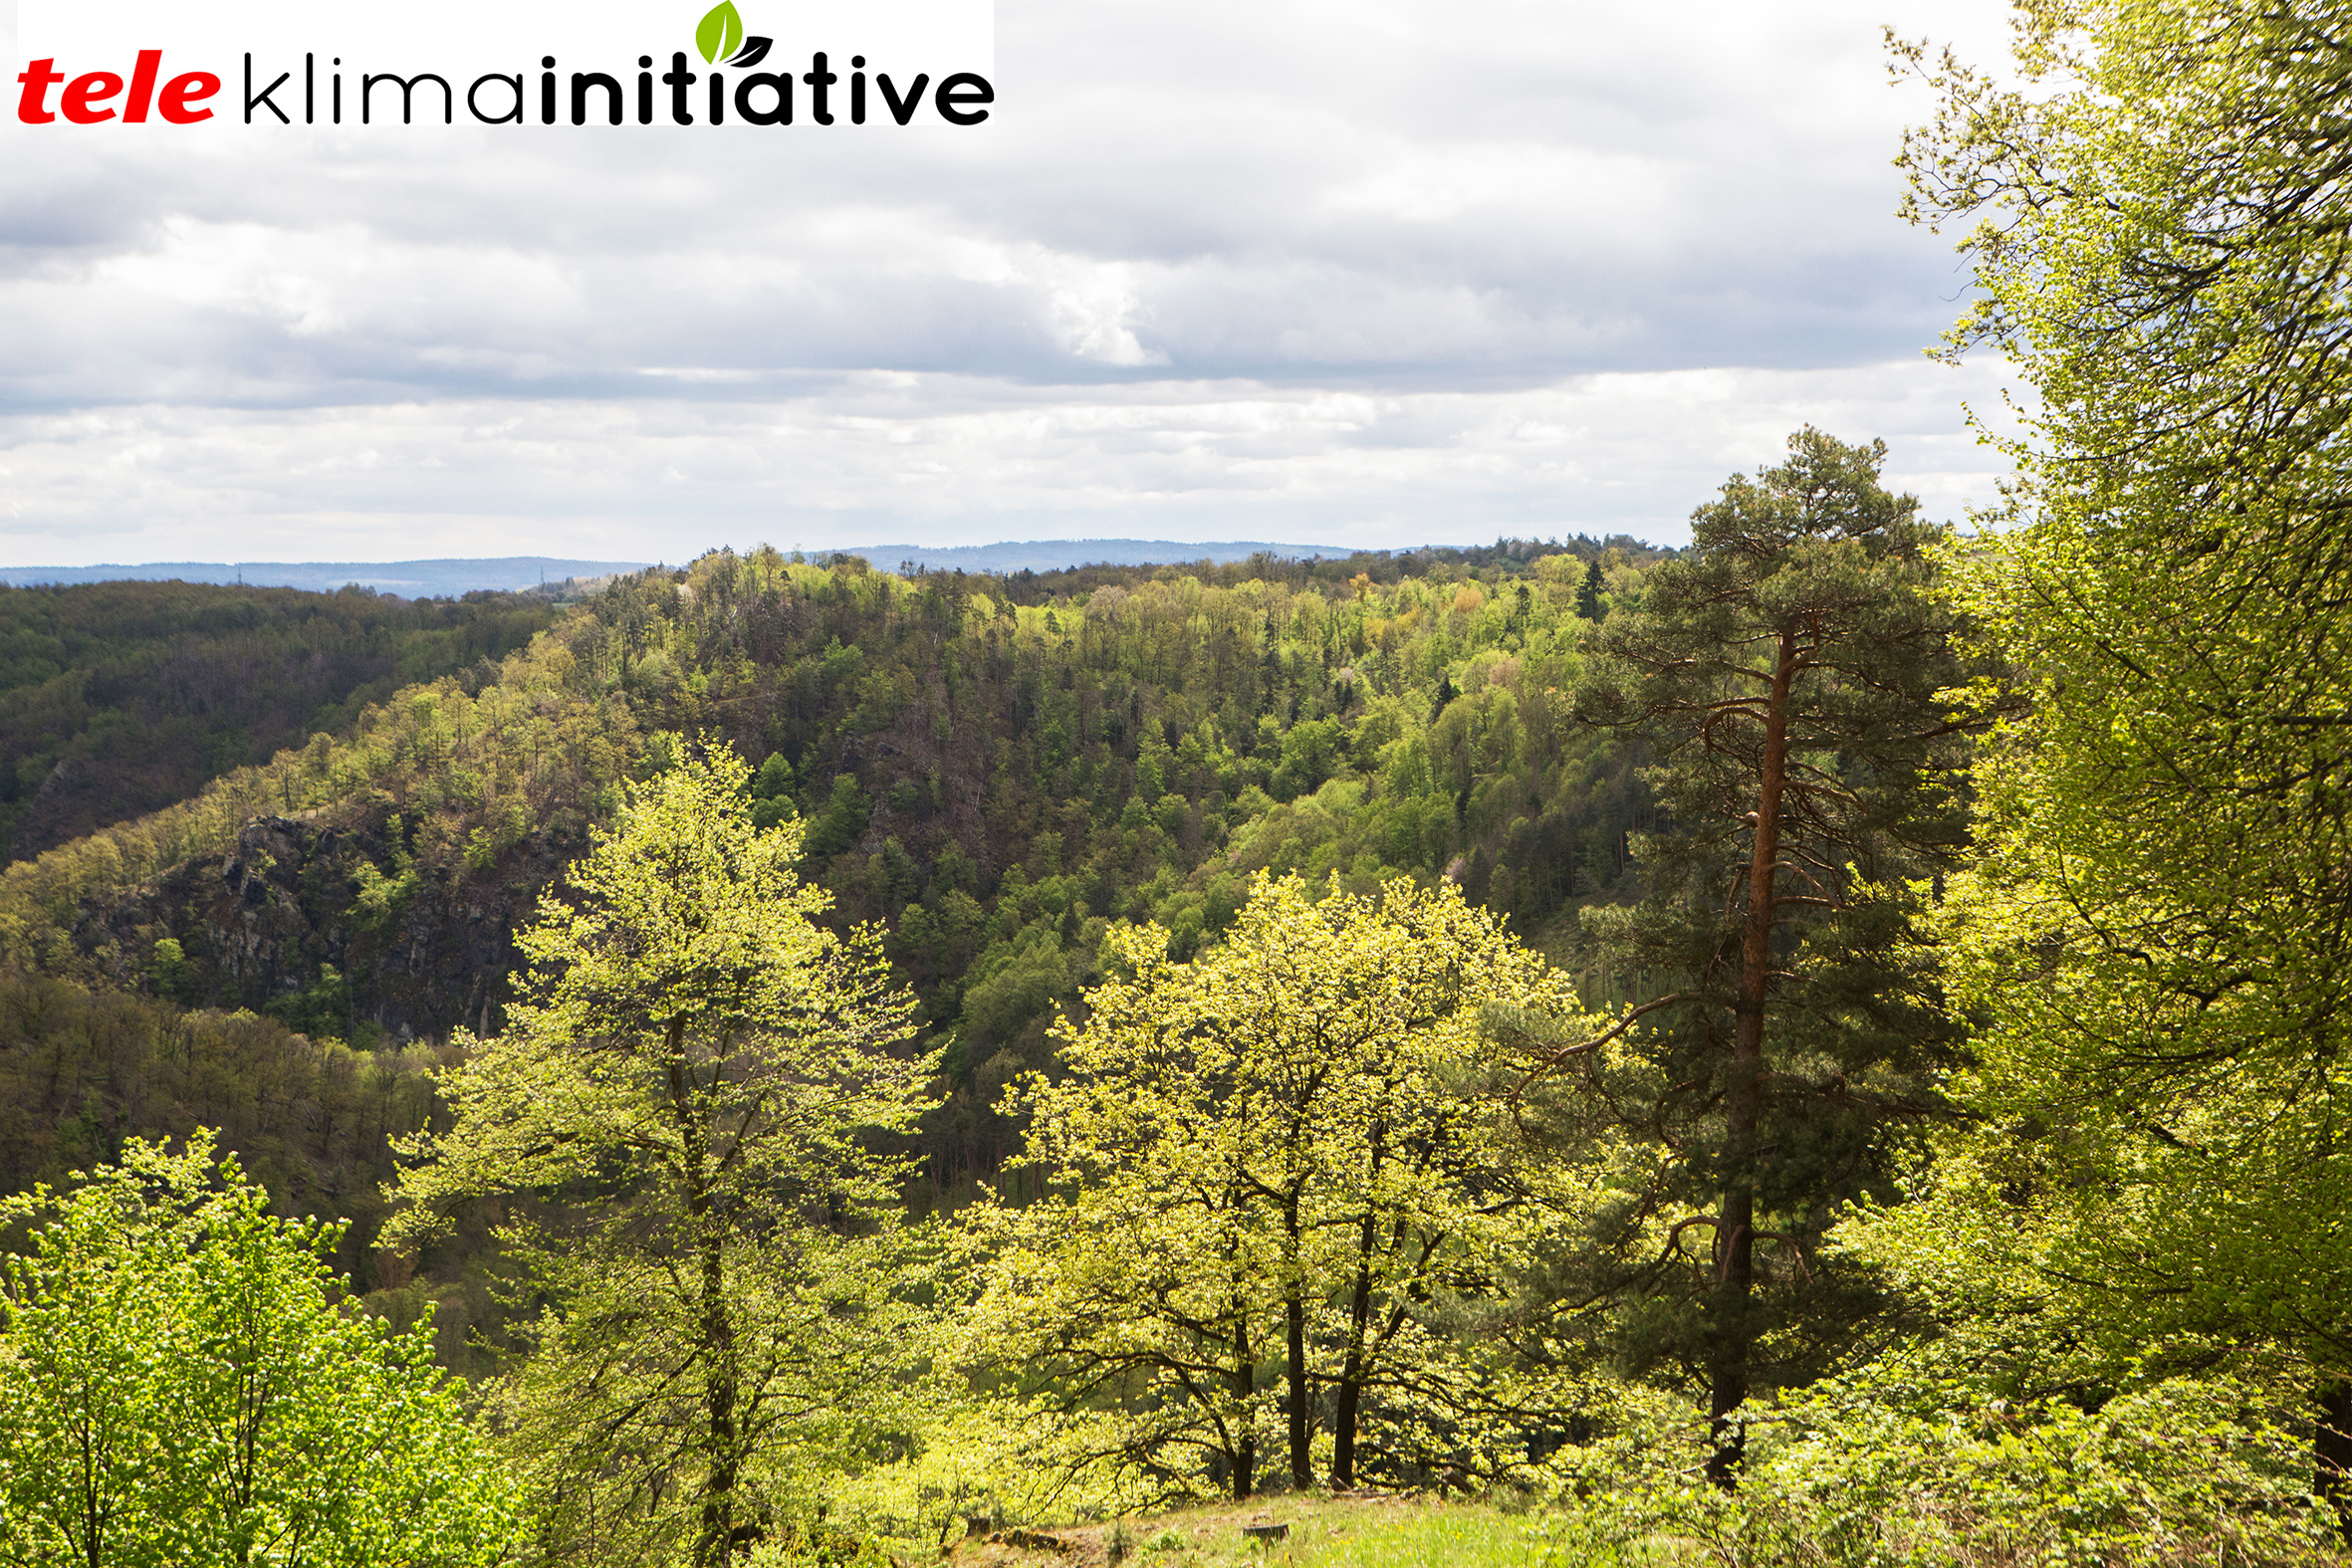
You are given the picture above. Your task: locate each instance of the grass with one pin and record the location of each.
(1325, 1532)
(1910, 1523)
(1443, 1537)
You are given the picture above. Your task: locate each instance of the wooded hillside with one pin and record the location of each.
(120, 697)
(991, 769)
(1823, 1047)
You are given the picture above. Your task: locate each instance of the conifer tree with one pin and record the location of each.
(1784, 673)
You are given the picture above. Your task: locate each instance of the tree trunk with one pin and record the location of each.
(1360, 1313)
(2332, 1452)
(95, 1518)
(1735, 1290)
(1351, 1370)
(1244, 1386)
(1294, 1351)
(718, 1337)
(716, 1326)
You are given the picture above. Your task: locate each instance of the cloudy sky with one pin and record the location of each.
(1381, 273)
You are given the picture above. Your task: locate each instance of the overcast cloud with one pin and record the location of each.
(1368, 273)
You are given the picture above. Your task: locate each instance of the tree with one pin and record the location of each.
(683, 1099)
(1260, 1162)
(1589, 590)
(182, 1381)
(1784, 673)
(2160, 928)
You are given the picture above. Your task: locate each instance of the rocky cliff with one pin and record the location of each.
(337, 928)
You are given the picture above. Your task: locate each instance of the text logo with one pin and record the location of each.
(746, 80)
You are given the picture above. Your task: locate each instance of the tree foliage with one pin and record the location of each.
(122, 698)
(994, 769)
(179, 1383)
(717, 1274)
(1785, 673)
(1186, 904)
(2159, 927)
(83, 1074)
(1263, 1180)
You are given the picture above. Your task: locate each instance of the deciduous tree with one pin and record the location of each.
(1262, 1171)
(683, 1100)
(181, 1381)
(2161, 928)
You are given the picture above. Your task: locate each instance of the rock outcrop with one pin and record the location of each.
(333, 924)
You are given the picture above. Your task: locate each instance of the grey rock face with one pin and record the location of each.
(266, 923)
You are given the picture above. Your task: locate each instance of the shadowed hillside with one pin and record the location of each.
(120, 697)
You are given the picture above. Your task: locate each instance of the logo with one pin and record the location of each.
(376, 81)
(96, 96)
(721, 33)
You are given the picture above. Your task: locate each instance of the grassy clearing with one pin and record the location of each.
(1423, 1533)
(1324, 1533)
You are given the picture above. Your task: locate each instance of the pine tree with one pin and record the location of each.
(1784, 673)
(1588, 592)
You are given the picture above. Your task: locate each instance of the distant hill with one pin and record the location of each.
(118, 698)
(1055, 554)
(448, 578)
(410, 579)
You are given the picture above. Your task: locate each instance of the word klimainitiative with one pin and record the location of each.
(753, 98)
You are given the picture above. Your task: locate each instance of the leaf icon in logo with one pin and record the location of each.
(720, 33)
(754, 50)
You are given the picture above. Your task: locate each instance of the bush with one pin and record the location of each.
(2184, 1471)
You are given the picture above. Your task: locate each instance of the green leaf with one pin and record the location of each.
(720, 33)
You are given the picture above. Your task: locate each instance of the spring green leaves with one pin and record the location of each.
(697, 1066)
(185, 1383)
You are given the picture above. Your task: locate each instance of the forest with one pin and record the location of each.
(1818, 1045)
(120, 697)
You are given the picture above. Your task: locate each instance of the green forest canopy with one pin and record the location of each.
(1016, 781)
(118, 698)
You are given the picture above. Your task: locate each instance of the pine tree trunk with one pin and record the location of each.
(1743, 1099)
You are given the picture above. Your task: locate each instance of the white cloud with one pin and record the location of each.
(1382, 270)
(897, 458)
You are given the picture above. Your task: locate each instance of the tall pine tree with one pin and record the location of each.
(1784, 672)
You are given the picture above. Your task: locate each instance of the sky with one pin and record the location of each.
(1374, 274)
